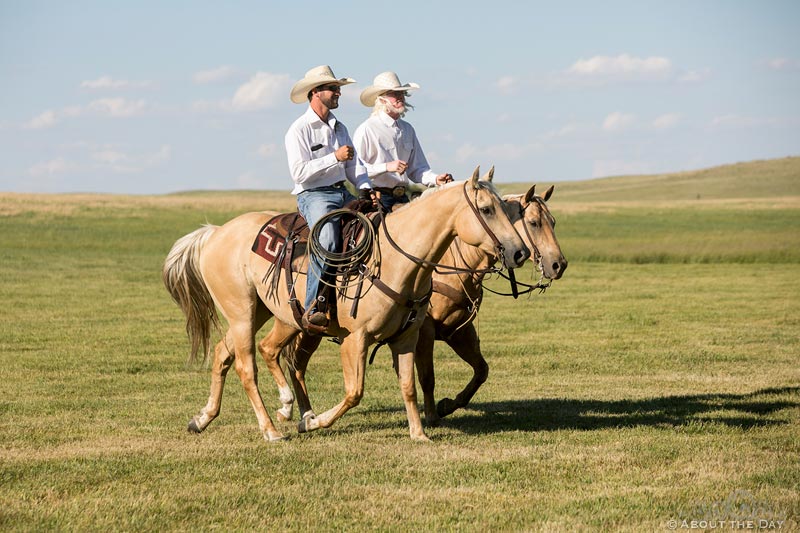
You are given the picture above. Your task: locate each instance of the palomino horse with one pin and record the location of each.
(215, 266)
(454, 305)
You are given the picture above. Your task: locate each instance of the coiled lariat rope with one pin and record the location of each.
(356, 253)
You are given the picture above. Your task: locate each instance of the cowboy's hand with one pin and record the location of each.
(369, 194)
(345, 153)
(397, 166)
(441, 179)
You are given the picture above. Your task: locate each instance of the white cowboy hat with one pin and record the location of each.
(382, 84)
(321, 75)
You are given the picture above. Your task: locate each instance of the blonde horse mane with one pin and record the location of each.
(430, 191)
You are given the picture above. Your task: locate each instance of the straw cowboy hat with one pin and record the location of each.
(382, 84)
(321, 75)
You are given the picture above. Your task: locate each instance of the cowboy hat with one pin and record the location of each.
(321, 75)
(383, 83)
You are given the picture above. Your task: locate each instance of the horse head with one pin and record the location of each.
(487, 226)
(535, 223)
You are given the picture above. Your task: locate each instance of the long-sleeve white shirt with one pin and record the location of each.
(310, 146)
(380, 139)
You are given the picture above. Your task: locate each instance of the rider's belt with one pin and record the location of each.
(397, 192)
(338, 184)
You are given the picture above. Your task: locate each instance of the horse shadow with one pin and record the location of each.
(746, 411)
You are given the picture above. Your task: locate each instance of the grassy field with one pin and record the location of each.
(658, 381)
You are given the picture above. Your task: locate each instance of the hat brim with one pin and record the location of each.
(300, 90)
(371, 93)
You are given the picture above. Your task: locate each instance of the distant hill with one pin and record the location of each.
(755, 179)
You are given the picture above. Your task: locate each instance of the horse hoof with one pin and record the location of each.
(433, 421)
(276, 438)
(445, 407)
(420, 438)
(308, 423)
(193, 427)
(283, 418)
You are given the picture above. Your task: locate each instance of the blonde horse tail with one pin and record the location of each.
(184, 282)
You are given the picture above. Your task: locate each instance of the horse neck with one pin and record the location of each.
(461, 255)
(424, 229)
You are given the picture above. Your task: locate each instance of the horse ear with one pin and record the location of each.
(548, 193)
(475, 176)
(530, 194)
(489, 175)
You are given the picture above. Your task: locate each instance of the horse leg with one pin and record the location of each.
(244, 348)
(403, 360)
(270, 348)
(223, 359)
(423, 360)
(354, 360)
(305, 347)
(466, 344)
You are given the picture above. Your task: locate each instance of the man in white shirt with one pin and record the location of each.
(321, 156)
(388, 145)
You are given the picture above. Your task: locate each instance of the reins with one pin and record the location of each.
(441, 268)
(515, 292)
(416, 306)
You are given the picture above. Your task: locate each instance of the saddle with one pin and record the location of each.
(283, 242)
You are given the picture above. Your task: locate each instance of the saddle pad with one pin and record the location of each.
(271, 238)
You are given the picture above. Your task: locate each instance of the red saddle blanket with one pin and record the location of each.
(270, 242)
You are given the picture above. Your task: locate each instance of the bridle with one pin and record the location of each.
(537, 255)
(419, 305)
(440, 268)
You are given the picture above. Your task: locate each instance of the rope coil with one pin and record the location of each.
(356, 253)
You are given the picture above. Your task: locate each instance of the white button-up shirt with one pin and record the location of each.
(380, 139)
(310, 146)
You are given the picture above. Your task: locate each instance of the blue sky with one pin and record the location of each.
(154, 97)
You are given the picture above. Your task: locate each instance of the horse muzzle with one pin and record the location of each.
(514, 258)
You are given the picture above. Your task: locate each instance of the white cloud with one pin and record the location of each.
(267, 150)
(618, 121)
(117, 107)
(567, 130)
(506, 84)
(110, 158)
(217, 75)
(624, 67)
(262, 91)
(783, 63)
(51, 168)
(46, 119)
(666, 121)
(107, 82)
(694, 76)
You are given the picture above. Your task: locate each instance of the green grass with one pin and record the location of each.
(654, 381)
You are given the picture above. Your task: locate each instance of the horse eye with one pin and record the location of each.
(486, 211)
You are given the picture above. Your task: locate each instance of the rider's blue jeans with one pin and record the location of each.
(313, 204)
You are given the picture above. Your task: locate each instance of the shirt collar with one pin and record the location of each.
(313, 118)
(387, 120)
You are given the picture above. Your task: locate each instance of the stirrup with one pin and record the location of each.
(315, 322)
